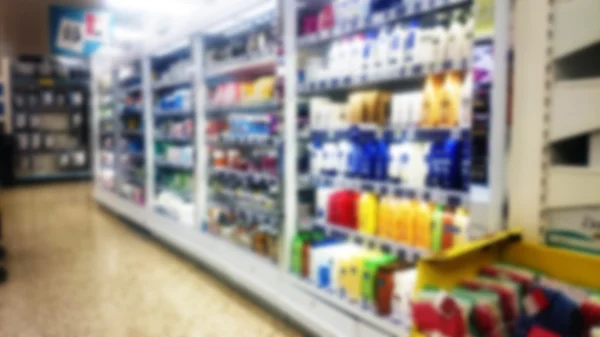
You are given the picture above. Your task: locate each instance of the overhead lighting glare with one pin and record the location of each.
(261, 9)
(172, 7)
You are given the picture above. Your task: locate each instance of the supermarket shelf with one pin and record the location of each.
(173, 83)
(242, 66)
(576, 95)
(467, 248)
(245, 174)
(55, 176)
(173, 114)
(246, 208)
(184, 194)
(131, 112)
(162, 163)
(406, 252)
(576, 26)
(434, 194)
(378, 20)
(123, 207)
(45, 82)
(133, 133)
(267, 106)
(135, 155)
(573, 187)
(413, 133)
(233, 140)
(397, 329)
(132, 89)
(401, 74)
(266, 204)
(171, 139)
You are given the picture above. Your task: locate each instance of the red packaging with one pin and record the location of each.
(325, 20)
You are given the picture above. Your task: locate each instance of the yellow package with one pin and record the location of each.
(386, 217)
(404, 221)
(264, 88)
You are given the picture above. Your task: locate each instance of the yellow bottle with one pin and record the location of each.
(450, 99)
(431, 110)
(404, 221)
(386, 217)
(367, 214)
(422, 225)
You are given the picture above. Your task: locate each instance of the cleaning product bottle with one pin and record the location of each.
(437, 228)
(396, 47)
(404, 221)
(381, 160)
(395, 162)
(451, 169)
(422, 224)
(411, 44)
(465, 166)
(449, 231)
(369, 156)
(368, 213)
(431, 110)
(466, 101)
(451, 99)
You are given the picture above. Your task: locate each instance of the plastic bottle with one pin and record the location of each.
(355, 59)
(369, 157)
(367, 213)
(431, 110)
(381, 160)
(422, 225)
(385, 217)
(466, 101)
(451, 99)
(396, 47)
(411, 46)
(437, 228)
(448, 232)
(404, 221)
(461, 222)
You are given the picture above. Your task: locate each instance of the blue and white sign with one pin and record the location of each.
(78, 32)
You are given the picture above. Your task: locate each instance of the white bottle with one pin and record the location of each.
(468, 40)
(368, 54)
(397, 117)
(424, 47)
(355, 56)
(344, 148)
(396, 47)
(439, 40)
(334, 56)
(411, 45)
(413, 109)
(382, 53)
(466, 101)
(456, 41)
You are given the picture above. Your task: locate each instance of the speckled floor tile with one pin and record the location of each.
(75, 271)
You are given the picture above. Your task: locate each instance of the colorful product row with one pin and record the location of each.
(177, 100)
(259, 90)
(175, 71)
(176, 129)
(370, 278)
(412, 222)
(260, 42)
(266, 161)
(259, 235)
(179, 155)
(445, 101)
(245, 126)
(440, 164)
(507, 300)
(432, 41)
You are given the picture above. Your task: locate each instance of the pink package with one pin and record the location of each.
(309, 24)
(325, 20)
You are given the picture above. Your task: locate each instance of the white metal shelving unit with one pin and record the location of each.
(556, 91)
(316, 309)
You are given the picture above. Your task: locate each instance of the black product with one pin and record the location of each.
(8, 148)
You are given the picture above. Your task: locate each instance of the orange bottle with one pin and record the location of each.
(450, 99)
(404, 221)
(422, 225)
(431, 110)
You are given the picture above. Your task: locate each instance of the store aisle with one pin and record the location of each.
(75, 270)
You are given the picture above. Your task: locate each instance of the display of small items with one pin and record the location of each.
(370, 279)
(175, 129)
(404, 219)
(253, 161)
(260, 90)
(441, 40)
(257, 43)
(174, 196)
(179, 155)
(245, 128)
(180, 69)
(508, 300)
(258, 233)
(180, 99)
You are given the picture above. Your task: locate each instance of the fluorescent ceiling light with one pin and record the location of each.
(171, 7)
(264, 8)
(127, 34)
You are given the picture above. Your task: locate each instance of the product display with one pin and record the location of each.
(243, 132)
(49, 119)
(507, 300)
(131, 146)
(174, 135)
(370, 279)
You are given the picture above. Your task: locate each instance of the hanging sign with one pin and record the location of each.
(78, 32)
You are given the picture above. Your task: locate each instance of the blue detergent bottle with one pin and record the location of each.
(451, 164)
(355, 155)
(382, 160)
(434, 162)
(369, 156)
(465, 165)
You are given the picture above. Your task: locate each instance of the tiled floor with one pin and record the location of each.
(76, 271)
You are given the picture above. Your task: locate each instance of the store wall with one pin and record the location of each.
(24, 24)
